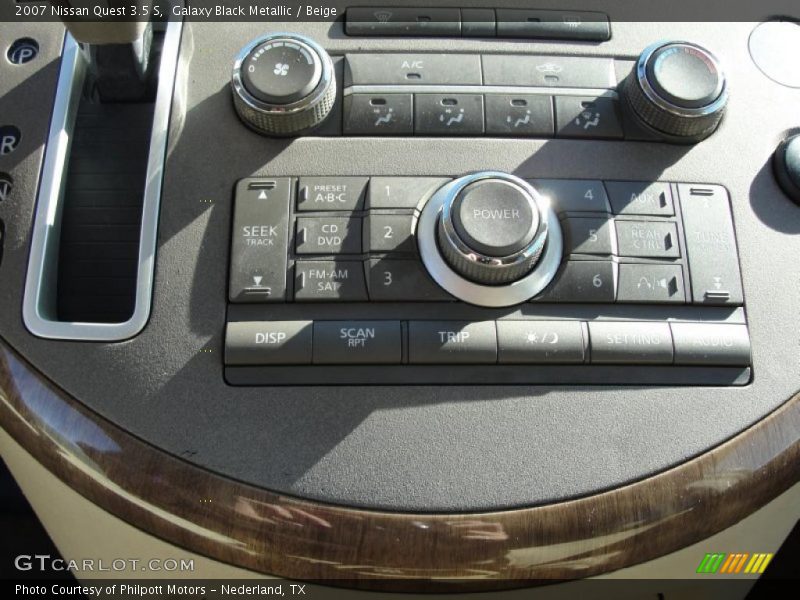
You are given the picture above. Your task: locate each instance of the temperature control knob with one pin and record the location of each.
(283, 84)
(678, 90)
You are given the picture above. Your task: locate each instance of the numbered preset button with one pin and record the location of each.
(389, 233)
(583, 281)
(588, 235)
(574, 195)
(402, 281)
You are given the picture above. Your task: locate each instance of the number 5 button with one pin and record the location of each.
(389, 233)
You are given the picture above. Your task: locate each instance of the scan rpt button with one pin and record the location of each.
(357, 342)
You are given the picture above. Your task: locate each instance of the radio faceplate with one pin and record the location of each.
(332, 271)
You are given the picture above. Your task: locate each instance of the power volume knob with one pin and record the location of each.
(678, 91)
(492, 231)
(283, 85)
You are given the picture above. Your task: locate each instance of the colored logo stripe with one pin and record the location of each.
(734, 563)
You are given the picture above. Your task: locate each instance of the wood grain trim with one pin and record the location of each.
(294, 538)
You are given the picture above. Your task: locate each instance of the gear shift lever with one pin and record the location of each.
(118, 53)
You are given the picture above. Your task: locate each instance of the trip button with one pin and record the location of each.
(630, 343)
(402, 281)
(268, 343)
(330, 280)
(448, 114)
(519, 115)
(711, 344)
(331, 193)
(587, 117)
(378, 114)
(648, 283)
(357, 342)
(588, 235)
(389, 233)
(452, 342)
(540, 342)
(574, 195)
(640, 198)
(328, 235)
(582, 281)
(648, 239)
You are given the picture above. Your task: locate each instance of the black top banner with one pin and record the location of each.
(335, 10)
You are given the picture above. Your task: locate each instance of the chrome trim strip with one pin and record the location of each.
(478, 89)
(493, 296)
(38, 308)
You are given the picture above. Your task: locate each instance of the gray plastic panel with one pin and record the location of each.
(418, 447)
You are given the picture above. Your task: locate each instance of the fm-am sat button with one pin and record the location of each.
(332, 193)
(648, 239)
(357, 342)
(330, 280)
(268, 343)
(540, 342)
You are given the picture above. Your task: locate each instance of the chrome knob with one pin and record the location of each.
(490, 239)
(283, 84)
(678, 90)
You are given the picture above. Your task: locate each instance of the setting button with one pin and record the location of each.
(328, 235)
(383, 114)
(448, 114)
(452, 342)
(268, 343)
(357, 342)
(630, 343)
(495, 218)
(648, 239)
(648, 283)
(588, 235)
(540, 342)
(330, 280)
(332, 193)
(711, 344)
(640, 198)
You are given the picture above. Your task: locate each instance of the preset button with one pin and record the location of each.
(402, 281)
(332, 193)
